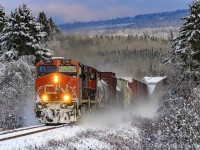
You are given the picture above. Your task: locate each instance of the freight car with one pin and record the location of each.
(139, 89)
(65, 89)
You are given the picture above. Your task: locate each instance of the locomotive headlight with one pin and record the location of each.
(67, 98)
(44, 98)
(55, 78)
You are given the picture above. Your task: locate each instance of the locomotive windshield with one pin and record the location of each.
(68, 70)
(44, 70)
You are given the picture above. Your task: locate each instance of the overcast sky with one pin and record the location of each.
(64, 11)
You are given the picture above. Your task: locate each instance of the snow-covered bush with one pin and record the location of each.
(16, 86)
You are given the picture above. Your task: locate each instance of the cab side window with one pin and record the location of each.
(45, 70)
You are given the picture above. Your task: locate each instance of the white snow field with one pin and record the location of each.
(39, 139)
(75, 137)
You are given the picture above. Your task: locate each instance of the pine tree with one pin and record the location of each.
(3, 22)
(3, 18)
(186, 47)
(48, 26)
(42, 19)
(22, 36)
(190, 33)
(53, 28)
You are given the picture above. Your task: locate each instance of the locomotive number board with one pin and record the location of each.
(67, 69)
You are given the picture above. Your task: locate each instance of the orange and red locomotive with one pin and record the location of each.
(62, 87)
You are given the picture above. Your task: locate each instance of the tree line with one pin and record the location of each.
(142, 53)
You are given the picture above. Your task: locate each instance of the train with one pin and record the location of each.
(66, 89)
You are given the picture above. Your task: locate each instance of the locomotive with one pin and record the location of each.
(65, 89)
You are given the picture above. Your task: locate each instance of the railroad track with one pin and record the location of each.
(11, 134)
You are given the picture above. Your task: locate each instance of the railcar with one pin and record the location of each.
(139, 89)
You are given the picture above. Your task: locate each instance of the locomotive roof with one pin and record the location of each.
(154, 80)
(54, 58)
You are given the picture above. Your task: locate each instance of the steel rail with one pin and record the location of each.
(31, 132)
(21, 129)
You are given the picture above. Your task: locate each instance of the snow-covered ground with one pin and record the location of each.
(76, 137)
(108, 129)
(39, 139)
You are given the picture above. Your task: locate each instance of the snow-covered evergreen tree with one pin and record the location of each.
(190, 33)
(48, 26)
(3, 18)
(44, 21)
(53, 28)
(179, 114)
(22, 36)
